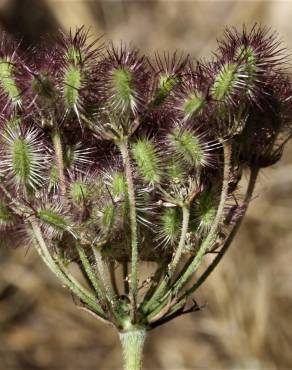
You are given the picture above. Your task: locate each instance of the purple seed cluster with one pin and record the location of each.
(109, 158)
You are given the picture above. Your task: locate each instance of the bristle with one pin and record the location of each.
(187, 145)
(24, 157)
(51, 214)
(124, 80)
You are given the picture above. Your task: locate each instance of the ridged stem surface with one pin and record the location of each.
(132, 345)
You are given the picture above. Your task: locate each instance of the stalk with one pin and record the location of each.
(208, 242)
(104, 276)
(182, 241)
(59, 160)
(79, 291)
(125, 277)
(89, 271)
(123, 145)
(231, 236)
(132, 344)
(160, 290)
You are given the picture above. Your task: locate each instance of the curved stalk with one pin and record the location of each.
(56, 137)
(160, 290)
(79, 291)
(210, 239)
(89, 271)
(182, 241)
(123, 145)
(104, 276)
(228, 241)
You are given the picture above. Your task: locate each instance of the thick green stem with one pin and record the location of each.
(59, 161)
(123, 145)
(132, 344)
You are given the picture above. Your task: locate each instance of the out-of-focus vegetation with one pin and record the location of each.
(247, 319)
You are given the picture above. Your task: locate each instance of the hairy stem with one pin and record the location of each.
(17, 207)
(89, 271)
(123, 145)
(132, 344)
(104, 275)
(182, 241)
(59, 160)
(232, 234)
(125, 277)
(113, 277)
(160, 290)
(210, 239)
(43, 251)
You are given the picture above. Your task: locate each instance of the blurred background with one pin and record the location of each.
(247, 321)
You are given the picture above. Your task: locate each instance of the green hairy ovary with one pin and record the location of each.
(193, 104)
(166, 84)
(148, 161)
(75, 56)
(204, 211)
(123, 88)
(118, 184)
(247, 56)
(24, 162)
(187, 145)
(78, 192)
(72, 84)
(170, 224)
(176, 170)
(7, 81)
(54, 222)
(225, 82)
(53, 177)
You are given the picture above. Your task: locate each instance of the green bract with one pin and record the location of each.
(107, 218)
